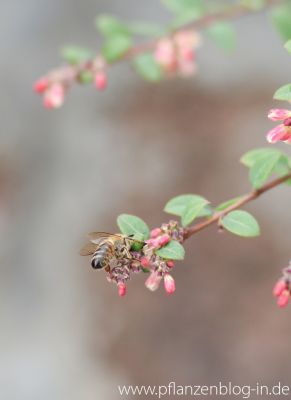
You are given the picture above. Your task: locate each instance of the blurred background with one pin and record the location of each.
(64, 331)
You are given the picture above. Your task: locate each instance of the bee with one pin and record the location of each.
(105, 247)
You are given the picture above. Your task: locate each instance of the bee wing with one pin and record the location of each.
(88, 249)
(95, 237)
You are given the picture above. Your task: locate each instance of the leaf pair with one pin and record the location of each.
(132, 225)
(188, 207)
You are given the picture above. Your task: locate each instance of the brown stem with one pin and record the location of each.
(236, 11)
(242, 201)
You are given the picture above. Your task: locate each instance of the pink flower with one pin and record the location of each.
(155, 233)
(279, 287)
(281, 132)
(153, 281)
(170, 264)
(169, 284)
(165, 55)
(278, 114)
(41, 85)
(101, 80)
(54, 97)
(145, 262)
(284, 298)
(163, 240)
(121, 289)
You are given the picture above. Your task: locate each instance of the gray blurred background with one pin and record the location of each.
(65, 334)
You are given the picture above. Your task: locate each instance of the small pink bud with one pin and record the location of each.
(101, 80)
(170, 264)
(279, 287)
(153, 243)
(54, 96)
(163, 240)
(278, 114)
(145, 262)
(41, 85)
(155, 233)
(283, 299)
(169, 284)
(121, 289)
(153, 281)
(276, 134)
(187, 54)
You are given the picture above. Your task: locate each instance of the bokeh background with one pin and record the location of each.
(65, 334)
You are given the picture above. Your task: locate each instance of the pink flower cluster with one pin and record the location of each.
(281, 132)
(148, 261)
(282, 289)
(54, 86)
(177, 54)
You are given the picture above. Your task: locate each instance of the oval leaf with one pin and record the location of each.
(116, 46)
(177, 205)
(193, 210)
(172, 251)
(241, 223)
(132, 225)
(223, 35)
(263, 168)
(255, 155)
(284, 92)
(147, 67)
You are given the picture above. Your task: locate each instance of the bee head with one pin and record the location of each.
(96, 264)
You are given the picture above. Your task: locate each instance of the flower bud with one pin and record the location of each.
(153, 281)
(145, 262)
(54, 97)
(170, 264)
(121, 289)
(41, 85)
(100, 80)
(279, 287)
(169, 284)
(283, 299)
(163, 240)
(155, 233)
(279, 114)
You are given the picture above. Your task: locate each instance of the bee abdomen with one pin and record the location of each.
(101, 256)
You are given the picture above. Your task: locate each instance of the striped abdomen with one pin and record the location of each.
(102, 256)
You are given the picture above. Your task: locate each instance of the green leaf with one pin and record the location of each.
(75, 55)
(193, 210)
(241, 223)
(109, 25)
(227, 204)
(177, 205)
(287, 46)
(185, 6)
(116, 46)
(255, 155)
(147, 67)
(132, 225)
(263, 168)
(281, 17)
(146, 29)
(172, 251)
(86, 77)
(284, 92)
(223, 35)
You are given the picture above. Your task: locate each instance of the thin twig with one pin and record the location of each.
(241, 202)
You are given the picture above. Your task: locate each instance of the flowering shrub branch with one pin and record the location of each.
(166, 52)
(169, 51)
(155, 251)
